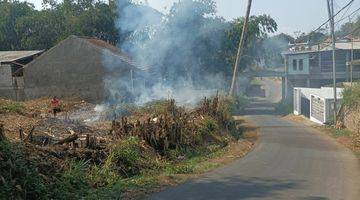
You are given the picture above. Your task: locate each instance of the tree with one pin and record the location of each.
(10, 13)
(259, 27)
(350, 28)
(23, 27)
(273, 47)
(312, 37)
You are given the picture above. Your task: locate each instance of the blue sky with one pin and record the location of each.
(291, 15)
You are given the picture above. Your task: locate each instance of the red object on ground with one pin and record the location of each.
(55, 103)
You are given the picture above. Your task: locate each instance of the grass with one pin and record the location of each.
(336, 133)
(10, 106)
(255, 81)
(81, 180)
(131, 165)
(19, 178)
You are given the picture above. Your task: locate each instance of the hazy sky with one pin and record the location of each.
(291, 15)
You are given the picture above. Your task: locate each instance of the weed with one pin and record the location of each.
(72, 184)
(125, 156)
(19, 177)
(283, 107)
(338, 132)
(351, 96)
(9, 106)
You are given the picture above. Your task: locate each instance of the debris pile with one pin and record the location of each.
(144, 139)
(175, 129)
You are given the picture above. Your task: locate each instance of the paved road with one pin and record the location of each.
(290, 161)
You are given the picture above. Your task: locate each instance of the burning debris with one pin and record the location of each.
(144, 139)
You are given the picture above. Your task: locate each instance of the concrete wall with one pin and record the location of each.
(6, 86)
(297, 58)
(74, 67)
(5, 76)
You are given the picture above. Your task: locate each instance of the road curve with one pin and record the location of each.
(290, 161)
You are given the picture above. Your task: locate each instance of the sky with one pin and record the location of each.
(291, 15)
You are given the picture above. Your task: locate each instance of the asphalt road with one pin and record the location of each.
(290, 161)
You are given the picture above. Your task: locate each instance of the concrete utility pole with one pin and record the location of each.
(330, 5)
(351, 57)
(240, 48)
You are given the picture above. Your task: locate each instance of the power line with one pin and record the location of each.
(343, 37)
(343, 18)
(347, 10)
(348, 4)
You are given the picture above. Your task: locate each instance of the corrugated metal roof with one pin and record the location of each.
(343, 45)
(327, 47)
(11, 56)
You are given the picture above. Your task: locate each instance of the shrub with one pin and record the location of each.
(10, 106)
(209, 131)
(19, 178)
(130, 156)
(283, 107)
(351, 96)
(72, 183)
(125, 156)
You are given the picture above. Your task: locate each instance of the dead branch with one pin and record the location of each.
(67, 140)
(29, 137)
(2, 132)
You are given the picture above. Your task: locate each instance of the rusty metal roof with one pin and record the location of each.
(11, 56)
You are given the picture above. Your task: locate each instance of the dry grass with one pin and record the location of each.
(234, 151)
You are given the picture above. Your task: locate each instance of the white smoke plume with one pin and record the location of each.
(169, 65)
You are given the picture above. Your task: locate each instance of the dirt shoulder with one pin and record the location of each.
(343, 136)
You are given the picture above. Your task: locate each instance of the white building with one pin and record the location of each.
(316, 103)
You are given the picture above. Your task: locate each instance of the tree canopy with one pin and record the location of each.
(189, 40)
(23, 27)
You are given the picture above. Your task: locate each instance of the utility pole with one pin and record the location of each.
(240, 48)
(351, 57)
(330, 5)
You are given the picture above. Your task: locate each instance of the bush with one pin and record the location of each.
(351, 96)
(283, 107)
(10, 106)
(19, 178)
(209, 131)
(72, 184)
(130, 156)
(125, 156)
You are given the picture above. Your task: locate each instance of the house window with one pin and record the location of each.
(301, 64)
(294, 64)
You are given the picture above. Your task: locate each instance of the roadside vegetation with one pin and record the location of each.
(284, 107)
(347, 129)
(10, 106)
(155, 145)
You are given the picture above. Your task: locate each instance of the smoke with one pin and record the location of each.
(171, 52)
